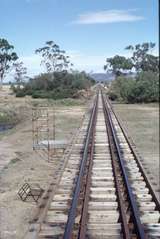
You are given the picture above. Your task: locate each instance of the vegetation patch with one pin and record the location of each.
(8, 117)
(15, 160)
(57, 85)
(142, 89)
(144, 86)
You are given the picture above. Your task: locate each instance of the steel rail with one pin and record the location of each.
(135, 213)
(125, 226)
(136, 156)
(72, 212)
(83, 224)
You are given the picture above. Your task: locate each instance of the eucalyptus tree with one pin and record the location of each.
(7, 57)
(20, 72)
(54, 59)
(142, 57)
(118, 65)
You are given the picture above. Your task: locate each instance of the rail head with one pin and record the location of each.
(135, 211)
(136, 156)
(72, 212)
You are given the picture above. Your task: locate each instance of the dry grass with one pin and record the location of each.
(19, 164)
(142, 122)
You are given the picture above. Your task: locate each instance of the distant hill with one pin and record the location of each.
(109, 76)
(102, 76)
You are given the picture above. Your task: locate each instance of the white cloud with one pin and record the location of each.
(108, 16)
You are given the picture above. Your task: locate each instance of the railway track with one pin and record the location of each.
(103, 191)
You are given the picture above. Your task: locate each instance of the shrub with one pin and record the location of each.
(147, 87)
(41, 94)
(112, 95)
(143, 88)
(20, 93)
(121, 88)
(56, 86)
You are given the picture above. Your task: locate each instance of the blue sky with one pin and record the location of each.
(89, 30)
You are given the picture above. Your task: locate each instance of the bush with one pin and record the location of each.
(112, 95)
(41, 94)
(121, 88)
(143, 88)
(56, 86)
(147, 87)
(20, 93)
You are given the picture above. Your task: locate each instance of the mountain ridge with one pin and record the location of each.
(102, 76)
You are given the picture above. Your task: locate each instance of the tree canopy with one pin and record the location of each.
(54, 58)
(142, 58)
(118, 64)
(20, 72)
(144, 87)
(7, 57)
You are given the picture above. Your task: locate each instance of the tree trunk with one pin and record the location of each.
(1, 82)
